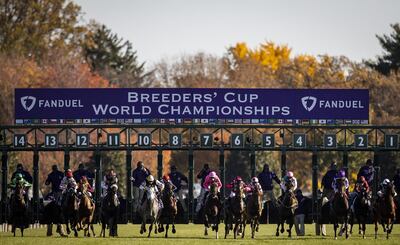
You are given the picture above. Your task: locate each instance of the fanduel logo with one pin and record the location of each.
(28, 102)
(309, 102)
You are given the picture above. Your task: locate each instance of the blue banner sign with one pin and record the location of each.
(195, 105)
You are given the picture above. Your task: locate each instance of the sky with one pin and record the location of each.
(167, 29)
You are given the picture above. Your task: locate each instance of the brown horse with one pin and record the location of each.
(18, 210)
(70, 209)
(340, 208)
(212, 209)
(86, 214)
(236, 213)
(286, 206)
(254, 209)
(385, 211)
(169, 210)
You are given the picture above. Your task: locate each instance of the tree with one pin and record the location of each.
(390, 60)
(112, 57)
(32, 27)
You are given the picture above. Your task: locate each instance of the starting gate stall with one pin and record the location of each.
(190, 138)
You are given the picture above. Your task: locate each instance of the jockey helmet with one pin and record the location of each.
(114, 186)
(341, 173)
(150, 178)
(166, 177)
(238, 178)
(68, 173)
(18, 176)
(212, 174)
(385, 182)
(254, 180)
(290, 174)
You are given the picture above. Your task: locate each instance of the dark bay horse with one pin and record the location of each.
(286, 207)
(18, 210)
(110, 212)
(340, 208)
(169, 210)
(385, 211)
(53, 215)
(212, 209)
(236, 213)
(361, 211)
(70, 210)
(150, 210)
(86, 214)
(254, 210)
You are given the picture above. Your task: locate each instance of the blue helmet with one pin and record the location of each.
(341, 173)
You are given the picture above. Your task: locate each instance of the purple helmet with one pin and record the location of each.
(341, 173)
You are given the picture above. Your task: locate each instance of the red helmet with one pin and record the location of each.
(68, 173)
(166, 177)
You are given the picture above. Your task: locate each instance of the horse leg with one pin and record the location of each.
(335, 226)
(216, 231)
(205, 231)
(235, 230)
(150, 228)
(142, 228)
(244, 229)
(205, 225)
(173, 227)
(376, 229)
(283, 227)
(363, 229)
(166, 230)
(277, 229)
(290, 229)
(92, 229)
(49, 229)
(346, 229)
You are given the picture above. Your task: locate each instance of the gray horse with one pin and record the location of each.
(150, 210)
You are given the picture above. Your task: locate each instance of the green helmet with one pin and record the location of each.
(18, 176)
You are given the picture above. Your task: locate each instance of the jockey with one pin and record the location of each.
(253, 185)
(85, 186)
(341, 175)
(155, 185)
(108, 180)
(236, 181)
(68, 182)
(19, 180)
(289, 180)
(383, 187)
(167, 181)
(361, 185)
(211, 178)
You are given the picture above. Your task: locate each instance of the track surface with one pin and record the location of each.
(193, 234)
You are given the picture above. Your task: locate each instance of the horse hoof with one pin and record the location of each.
(335, 238)
(141, 232)
(277, 233)
(173, 231)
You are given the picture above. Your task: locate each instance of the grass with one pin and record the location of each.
(193, 234)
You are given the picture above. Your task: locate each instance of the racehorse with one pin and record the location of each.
(212, 210)
(18, 210)
(169, 210)
(53, 215)
(385, 211)
(86, 214)
(110, 212)
(236, 213)
(70, 210)
(340, 208)
(286, 207)
(360, 211)
(150, 210)
(254, 210)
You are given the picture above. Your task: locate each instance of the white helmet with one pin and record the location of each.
(385, 182)
(150, 178)
(254, 180)
(212, 174)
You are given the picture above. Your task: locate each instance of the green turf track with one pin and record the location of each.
(193, 234)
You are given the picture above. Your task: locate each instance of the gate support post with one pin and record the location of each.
(66, 160)
(346, 162)
(35, 187)
(4, 177)
(159, 164)
(98, 177)
(191, 198)
(128, 186)
(253, 163)
(283, 163)
(222, 171)
(377, 174)
(315, 210)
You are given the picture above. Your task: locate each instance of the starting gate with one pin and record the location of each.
(190, 138)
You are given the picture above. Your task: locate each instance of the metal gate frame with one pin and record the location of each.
(252, 142)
